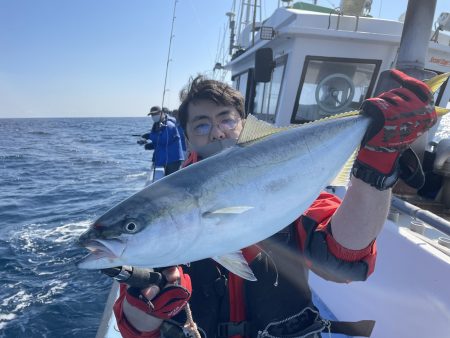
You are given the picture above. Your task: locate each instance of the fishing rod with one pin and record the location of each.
(168, 53)
(165, 80)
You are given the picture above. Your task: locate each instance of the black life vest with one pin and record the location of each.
(282, 288)
(276, 295)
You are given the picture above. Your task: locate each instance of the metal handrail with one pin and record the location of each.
(428, 217)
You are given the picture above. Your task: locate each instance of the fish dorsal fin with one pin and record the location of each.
(336, 116)
(255, 129)
(236, 263)
(435, 82)
(441, 111)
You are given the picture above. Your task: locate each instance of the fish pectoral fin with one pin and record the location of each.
(235, 210)
(236, 263)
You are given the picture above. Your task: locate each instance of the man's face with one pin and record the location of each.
(208, 122)
(156, 117)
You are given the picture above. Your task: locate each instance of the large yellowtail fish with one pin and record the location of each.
(229, 201)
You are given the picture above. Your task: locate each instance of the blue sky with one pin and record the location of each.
(73, 58)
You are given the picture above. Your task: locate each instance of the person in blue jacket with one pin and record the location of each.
(167, 140)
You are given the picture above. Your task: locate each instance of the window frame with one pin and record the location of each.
(310, 58)
(249, 92)
(280, 61)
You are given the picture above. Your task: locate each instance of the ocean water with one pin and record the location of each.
(57, 176)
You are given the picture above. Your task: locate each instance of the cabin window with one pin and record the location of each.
(236, 82)
(240, 82)
(259, 98)
(266, 95)
(244, 83)
(333, 85)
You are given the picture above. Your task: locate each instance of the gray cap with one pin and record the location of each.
(154, 110)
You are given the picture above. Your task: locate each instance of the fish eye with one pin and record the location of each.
(131, 227)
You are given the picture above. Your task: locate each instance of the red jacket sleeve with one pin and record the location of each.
(125, 328)
(324, 255)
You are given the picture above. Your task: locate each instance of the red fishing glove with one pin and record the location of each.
(399, 116)
(168, 302)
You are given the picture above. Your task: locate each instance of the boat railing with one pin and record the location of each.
(426, 216)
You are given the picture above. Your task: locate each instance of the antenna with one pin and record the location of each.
(247, 16)
(232, 26)
(168, 53)
(254, 22)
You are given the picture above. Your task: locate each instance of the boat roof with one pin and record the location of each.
(289, 23)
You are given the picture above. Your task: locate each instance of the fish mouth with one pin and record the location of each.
(113, 247)
(102, 252)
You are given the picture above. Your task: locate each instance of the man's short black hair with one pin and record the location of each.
(218, 92)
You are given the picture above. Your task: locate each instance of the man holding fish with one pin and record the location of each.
(248, 182)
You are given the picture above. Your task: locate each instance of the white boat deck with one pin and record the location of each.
(410, 283)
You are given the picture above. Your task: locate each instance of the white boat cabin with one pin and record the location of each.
(324, 64)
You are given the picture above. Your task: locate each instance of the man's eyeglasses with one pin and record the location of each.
(227, 124)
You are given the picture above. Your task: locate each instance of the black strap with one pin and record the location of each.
(408, 169)
(373, 177)
(411, 171)
(362, 328)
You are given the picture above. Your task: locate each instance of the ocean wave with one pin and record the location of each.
(40, 133)
(11, 157)
(56, 287)
(12, 306)
(30, 235)
(136, 175)
(17, 301)
(54, 183)
(39, 267)
(5, 318)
